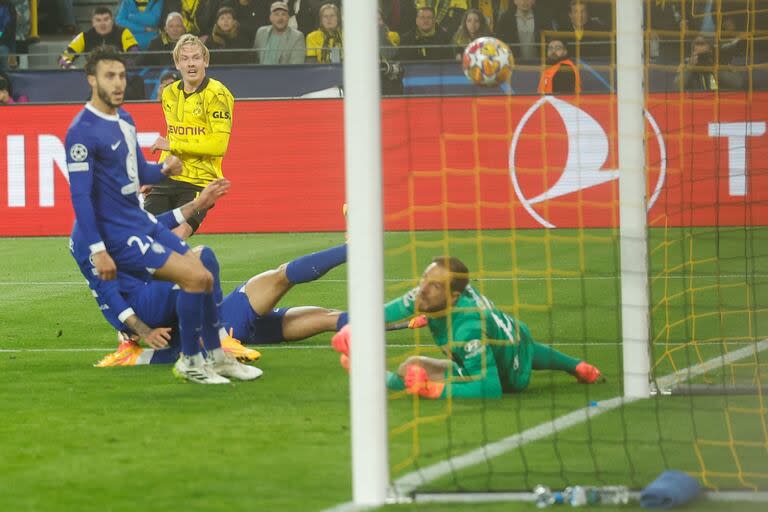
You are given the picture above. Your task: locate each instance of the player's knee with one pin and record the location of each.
(198, 280)
(208, 259)
(282, 272)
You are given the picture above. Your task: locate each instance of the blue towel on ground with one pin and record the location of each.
(670, 489)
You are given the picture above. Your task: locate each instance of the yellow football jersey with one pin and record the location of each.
(199, 125)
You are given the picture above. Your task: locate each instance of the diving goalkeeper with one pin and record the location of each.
(489, 352)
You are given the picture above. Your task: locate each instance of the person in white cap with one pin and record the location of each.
(278, 43)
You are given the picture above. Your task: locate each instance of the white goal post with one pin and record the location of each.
(362, 142)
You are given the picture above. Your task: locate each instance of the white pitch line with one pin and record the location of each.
(414, 279)
(405, 485)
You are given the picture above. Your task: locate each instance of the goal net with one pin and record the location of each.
(524, 189)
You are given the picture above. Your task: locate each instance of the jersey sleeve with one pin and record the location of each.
(80, 151)
(111, 303)
(219, 110)
(128, 41)
(77, 45)
(476, 374)
(171, 219)
(400, 308)
(149, 174)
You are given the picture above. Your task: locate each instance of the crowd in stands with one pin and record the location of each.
(244, 32)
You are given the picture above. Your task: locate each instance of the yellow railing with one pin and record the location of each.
(33, 18)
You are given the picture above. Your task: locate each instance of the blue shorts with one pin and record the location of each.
(155, 303)
(248, 327)
(141, 254)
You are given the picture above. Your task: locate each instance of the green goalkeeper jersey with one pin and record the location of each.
(491, 351)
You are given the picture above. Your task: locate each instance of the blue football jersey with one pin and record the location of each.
(106, 168)
(114, 298)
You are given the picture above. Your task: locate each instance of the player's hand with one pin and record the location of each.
(105, 265)
(172, 166)
(340, 340)
(161, 144)
(417, 383)
(415, 378)
(145, 190)
(158, 338)
(212, 193)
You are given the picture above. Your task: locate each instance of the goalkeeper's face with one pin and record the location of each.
(434, 290)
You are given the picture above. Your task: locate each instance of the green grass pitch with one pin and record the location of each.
(74, 437)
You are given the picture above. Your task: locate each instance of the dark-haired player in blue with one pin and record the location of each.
(106, 169)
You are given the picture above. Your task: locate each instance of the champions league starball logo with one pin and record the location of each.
(587, 153)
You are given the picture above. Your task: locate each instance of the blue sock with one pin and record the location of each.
(314, 266)
(342, 321)
(211, 302)
(189, 307)
(166, 355)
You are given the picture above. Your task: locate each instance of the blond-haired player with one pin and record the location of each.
(198, 113)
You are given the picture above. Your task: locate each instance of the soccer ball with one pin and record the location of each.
(488, 61)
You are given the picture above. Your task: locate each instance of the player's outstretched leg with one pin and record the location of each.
(547, 358)
(265, 290)
(315, 265)
(223, 363)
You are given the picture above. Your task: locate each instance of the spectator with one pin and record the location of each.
(308, 13)
(23, 25)
(473, 25)
(428, 41)
(561, 75)
(226, 38)
(252, 14)
(66, 11)
(700, 72)
(492, 11)
(448, 13)
(6, 98)
(166, 41)
(389, 40)
(399, 15)
(7, 32)
(278, 43)
(199, 15)
(103, 32)
(166, 79)
(667, 22)
(520, 27)
(733, 40)
(584, 31)
(142, 18)
(324, 44)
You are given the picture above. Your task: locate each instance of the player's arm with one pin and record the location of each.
(149, 174)
(156, 338)
(80, 152)
(219, 112)
(476, 374)
(400, 308)
(204, 200)
(479, 376)
(122, 316)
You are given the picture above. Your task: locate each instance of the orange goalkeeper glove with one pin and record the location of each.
(417, 383)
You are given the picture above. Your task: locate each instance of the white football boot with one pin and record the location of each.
(196, 369)
(226, 364)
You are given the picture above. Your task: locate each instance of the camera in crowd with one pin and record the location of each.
(391, 77)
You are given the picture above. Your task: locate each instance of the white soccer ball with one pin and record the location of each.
(488, 61)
